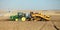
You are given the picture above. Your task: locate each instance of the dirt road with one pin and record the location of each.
(27, 25)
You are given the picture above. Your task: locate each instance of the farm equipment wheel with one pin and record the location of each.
(36, 18)
(42, 19)
(16, 19)
(23, 18)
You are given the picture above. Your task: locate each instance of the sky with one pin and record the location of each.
(30, 4)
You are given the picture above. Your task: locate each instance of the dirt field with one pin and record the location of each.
(30, 25)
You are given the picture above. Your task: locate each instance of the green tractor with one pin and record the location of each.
(19, 17)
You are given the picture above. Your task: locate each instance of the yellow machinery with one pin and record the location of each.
(39, 16)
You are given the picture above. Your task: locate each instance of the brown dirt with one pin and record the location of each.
(29, 25)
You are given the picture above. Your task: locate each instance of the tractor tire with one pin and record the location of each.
(23, 19)
(16, 19)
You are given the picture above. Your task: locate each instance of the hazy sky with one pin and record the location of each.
(30, 4)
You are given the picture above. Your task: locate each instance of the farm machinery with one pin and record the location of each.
(20, 16)
(31, 17)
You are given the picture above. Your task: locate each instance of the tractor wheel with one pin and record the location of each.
(23, 19)
(16, 19)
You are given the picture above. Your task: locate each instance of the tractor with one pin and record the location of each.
(19, 17)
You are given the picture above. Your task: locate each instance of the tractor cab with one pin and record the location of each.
(20, 14)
